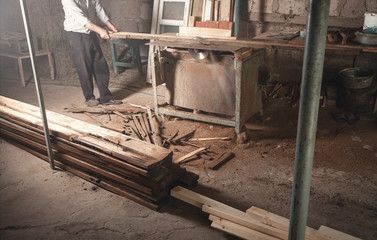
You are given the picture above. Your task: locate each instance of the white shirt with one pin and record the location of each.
(80, 12)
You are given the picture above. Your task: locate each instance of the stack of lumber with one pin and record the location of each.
(129, 167)
(255, 223)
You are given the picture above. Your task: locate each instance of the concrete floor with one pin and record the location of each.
(39, 203)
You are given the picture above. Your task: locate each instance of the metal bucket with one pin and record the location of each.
(355, 78)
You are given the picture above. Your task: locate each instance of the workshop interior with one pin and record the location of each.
(188, 119)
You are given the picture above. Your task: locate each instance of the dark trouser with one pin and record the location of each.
(89, 60)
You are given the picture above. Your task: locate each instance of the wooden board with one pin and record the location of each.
(204, 32)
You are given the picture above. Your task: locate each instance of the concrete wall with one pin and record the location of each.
(46, 21)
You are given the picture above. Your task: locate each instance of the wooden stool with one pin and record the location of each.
(20, 57)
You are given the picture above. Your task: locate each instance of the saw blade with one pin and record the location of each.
(198, 54)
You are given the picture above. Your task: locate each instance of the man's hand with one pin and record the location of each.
(103, 33)
(112, 28)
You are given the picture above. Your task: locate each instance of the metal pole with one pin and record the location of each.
(308, 114)
(37, 83)
(237, 18)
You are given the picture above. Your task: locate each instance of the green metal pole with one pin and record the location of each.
(237, 18)
(308, 114)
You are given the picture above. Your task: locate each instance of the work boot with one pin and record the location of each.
(92, 102)
(112, 102)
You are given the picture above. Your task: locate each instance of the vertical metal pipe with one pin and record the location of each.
(237, 18)
(308, 114)
(37, 83)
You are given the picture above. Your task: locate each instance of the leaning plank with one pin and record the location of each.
(238, 230)
(246, 221)
(155, 152)
(181, 159)
(335, 234)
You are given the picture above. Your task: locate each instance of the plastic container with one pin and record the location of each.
(370, 22)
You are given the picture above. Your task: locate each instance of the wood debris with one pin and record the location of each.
(124, 165)
(222, 159)
(255, 223)
(183, 158)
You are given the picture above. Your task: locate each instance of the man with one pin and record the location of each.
(80, 28)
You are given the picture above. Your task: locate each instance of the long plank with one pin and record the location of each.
(238, 230)
(155, 152)
(235, 42)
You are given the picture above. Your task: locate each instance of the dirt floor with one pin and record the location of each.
(39, 203)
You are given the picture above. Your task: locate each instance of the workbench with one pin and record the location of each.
(20, 58)
(248, 56)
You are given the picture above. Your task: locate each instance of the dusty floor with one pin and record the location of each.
(38, 203)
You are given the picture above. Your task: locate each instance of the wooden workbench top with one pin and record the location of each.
(233, 44)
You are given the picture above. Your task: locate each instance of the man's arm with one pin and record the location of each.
(101, 31)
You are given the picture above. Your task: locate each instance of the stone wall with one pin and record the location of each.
(291, 15)
(46, 22)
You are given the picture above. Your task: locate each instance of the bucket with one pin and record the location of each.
(355, 78)
(370, 22)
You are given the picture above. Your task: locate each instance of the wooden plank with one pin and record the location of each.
(204, 32)
(222, 159)
(246, 221)
(183, 158)
(335, 234)
(238, 230)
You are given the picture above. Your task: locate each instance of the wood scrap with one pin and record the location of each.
(183, 158)
(155, 128)
(222, 159)
(210, 139)
(183, 135)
